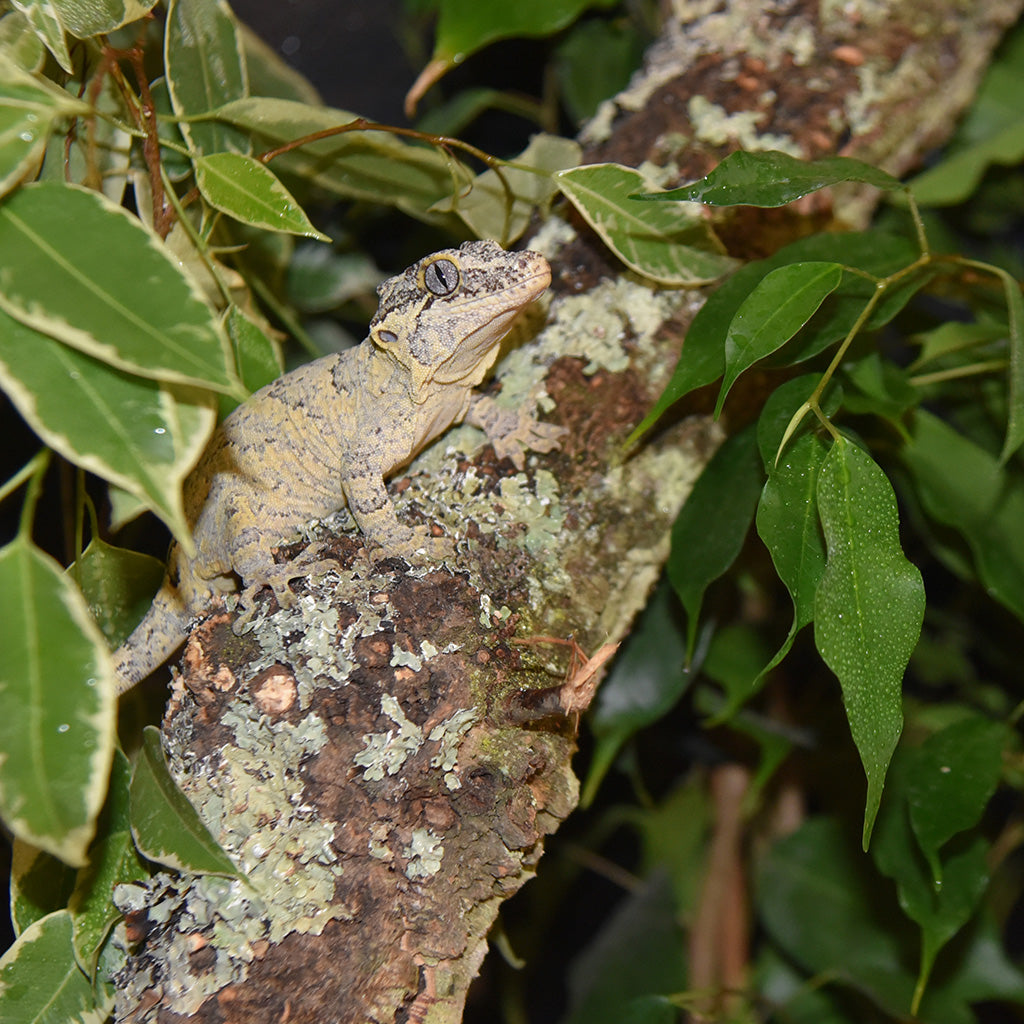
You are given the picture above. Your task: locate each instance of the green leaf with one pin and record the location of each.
(46, 23)
(57, 691)
(257, 357)
(595, 61)
(245, 189)
(112, 861)
(950, 781)
(710, 530)
(465, 26)
(665, 245)
(29, 107)
(878, 387)
(781, 303)
(772, 178)
(703, 357)
(639, 953)
(319, 279)
(166, 827)
(40, 884)
(40, 983)
(868, 608)
(133, 308)
(370, 165)
(646, 680)
(118, 586)
(137, 433)
(84, 18)
(485, 207)
(963, 486)
(19, 44)
(270, 75)
(1015, 401)
(820, 901)
(205, 68)
(941, 910)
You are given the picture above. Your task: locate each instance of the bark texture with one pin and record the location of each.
(383, 759)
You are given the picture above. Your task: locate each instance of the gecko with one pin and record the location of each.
(328, 434)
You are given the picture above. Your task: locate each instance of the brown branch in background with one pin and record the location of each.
(145, 116)
(720, 939)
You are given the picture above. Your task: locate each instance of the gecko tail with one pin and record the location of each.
(160, 633)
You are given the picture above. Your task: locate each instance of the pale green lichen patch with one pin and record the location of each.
(448, 735)
(384, 753)
(717, 127)
(423, 853)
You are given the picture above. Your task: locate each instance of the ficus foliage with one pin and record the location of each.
(153, 228)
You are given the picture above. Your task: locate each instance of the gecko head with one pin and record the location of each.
(443, 319)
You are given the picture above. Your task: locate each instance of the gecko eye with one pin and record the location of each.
(441, 277)
(387, 337)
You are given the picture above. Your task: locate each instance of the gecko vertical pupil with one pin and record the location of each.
(441, 277)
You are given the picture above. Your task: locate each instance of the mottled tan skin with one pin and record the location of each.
(328, 434)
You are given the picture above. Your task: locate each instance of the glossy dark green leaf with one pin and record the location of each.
(962, 485)
(257, 357)
(40, 884)
(781, 303)
(950, 781)
(165, 826)
(703, 357)
(646, 679)
(713, 524)
(118, 586)
(940, 910)
(820, 901)
(772, 178)
(868, 608)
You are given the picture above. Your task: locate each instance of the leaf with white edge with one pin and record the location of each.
(250, 192)
(57, 690)
(40, 983)
(112, 861)
(868, 607)
(85, 18)
(140, 434)
(490, 212)
(19, 45)
(40, 884)
(665, 244)
(783, 301)
(709, 531)
(166, 827)
(772, 178)
(370, 165)
(29, 106)
(205, 67)
(950, 781)
(133, 308)
(46, 23)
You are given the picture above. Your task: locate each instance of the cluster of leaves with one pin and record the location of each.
(122, 364)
